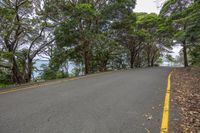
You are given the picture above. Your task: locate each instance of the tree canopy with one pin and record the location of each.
(184, 17)
(94, 35)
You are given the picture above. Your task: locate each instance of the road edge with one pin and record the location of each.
(33, 86)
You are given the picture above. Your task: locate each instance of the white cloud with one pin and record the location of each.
(176, 50)
(149, 6)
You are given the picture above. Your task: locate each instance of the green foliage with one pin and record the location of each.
(48, 74)
(86, 35)
(5, 55)
(58, 58)
(170, 58)
(5, 77)
(104, 49)
(193, 18)
(184, 16)
(60, 75)
(84, 9)
(76, 72)
(7, 14)
(159, 61)
(195, 55)
(96, 35)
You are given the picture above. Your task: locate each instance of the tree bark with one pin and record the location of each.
(132, 59)
(148, 51)
(152, 62)
(86, 62)
(29, 71)
(87, 57)
(17, 77)
(138, 61)
(185, 54)
(103, 65)
(148, 59)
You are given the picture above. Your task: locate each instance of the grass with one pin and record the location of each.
(3, 85)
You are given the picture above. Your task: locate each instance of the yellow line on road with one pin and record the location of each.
(165, 117)
(25, 88)
(51, 83)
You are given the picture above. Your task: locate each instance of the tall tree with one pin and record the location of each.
(87, 20)
(23, 35)
(157, 36)
(175, 10)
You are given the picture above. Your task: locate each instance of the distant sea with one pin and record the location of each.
(38, 65)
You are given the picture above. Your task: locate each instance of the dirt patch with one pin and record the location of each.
(186, 96)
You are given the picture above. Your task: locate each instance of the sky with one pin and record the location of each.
(148, 6)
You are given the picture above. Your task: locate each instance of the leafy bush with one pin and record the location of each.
(61, 74)
(49, 74)
(5, 78)
(195, 55)
(76, 72)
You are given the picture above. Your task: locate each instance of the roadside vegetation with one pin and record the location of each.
(94, 35)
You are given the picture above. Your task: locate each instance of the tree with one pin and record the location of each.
(96, 35)
(177, 10)
(154, 43)
(22, 37)
(104, 50)
(195, 55)
(130, 36)
(89, 21)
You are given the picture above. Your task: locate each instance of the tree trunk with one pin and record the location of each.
(132, 59)
(185, 49)
(103, 65)
(29, 71)
(185, 54)
(17, 77)
(152, 61)
(138, 62)
(148, 51)
(87, 56)
(86, 62)
(148, 59)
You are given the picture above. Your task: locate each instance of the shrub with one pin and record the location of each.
(49, 74)
(61, 74)
(5, 78)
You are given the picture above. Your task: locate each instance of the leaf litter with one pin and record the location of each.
(186, 95)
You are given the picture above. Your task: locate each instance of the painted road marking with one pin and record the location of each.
(165, 117)
(51, 83)
(25, 88)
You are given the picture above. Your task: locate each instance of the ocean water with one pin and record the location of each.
(38, 65)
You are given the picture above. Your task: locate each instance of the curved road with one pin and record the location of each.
(116, 102)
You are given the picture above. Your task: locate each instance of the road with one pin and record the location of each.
(128, 101)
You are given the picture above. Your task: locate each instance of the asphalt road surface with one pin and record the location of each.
(116, 102)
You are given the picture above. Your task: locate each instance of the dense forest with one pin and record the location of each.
(96, 35)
